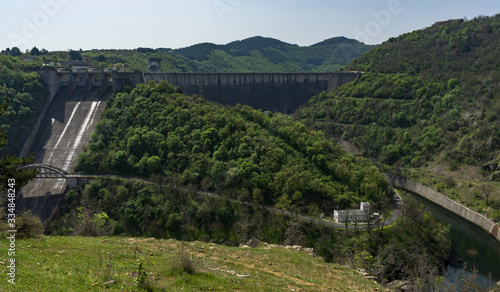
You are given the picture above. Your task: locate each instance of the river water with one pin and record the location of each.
(471, 245)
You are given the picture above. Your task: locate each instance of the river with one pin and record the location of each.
(471, 245)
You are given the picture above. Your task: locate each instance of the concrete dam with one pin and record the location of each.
(277, 92)
(76, 101)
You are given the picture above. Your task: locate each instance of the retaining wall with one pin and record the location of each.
(436, 197)
(51, 81)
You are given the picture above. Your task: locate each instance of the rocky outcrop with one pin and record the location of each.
(254, 243)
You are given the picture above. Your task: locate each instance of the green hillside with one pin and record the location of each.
(256, 54)
(22, 92)
(237, 151)
(260, 54)
(242, 154)
(430, 102)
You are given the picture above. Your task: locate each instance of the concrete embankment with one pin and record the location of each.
(51, 81)
(487, 224)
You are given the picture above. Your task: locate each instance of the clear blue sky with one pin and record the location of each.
(125, 24)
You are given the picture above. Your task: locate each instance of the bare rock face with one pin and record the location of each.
(401, 286)
(255, 243)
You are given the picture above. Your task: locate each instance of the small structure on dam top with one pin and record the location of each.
(154, 64)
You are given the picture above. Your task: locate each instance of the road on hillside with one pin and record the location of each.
(398, 203)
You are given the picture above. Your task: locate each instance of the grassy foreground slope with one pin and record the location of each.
(429, 101)
(85, 264)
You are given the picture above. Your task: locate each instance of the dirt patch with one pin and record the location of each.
(279, 274)
(473, 252)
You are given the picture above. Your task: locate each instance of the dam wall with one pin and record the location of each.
(277, 92)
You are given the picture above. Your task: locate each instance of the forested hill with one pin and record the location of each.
(430, 99)
(454, 48)
(267, 54)
(265, 158)
(244, 154)
(256, 54)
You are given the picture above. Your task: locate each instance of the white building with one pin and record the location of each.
(360, 215)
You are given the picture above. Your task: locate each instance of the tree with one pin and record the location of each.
(134, 145)
(15, 51)
(487, 190)
(11, 179)
(28, 225)
(471, 281)
(35, 51)
(101, 58)
(119, 161)
(75, 55)
(8, 166)
(154, 164)
(283, 203)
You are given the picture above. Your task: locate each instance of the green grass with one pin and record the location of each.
(84, 264)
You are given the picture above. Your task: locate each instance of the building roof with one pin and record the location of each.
(351, 212)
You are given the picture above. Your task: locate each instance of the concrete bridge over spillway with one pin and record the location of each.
(77, 99)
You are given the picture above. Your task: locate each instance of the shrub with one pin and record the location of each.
(141, 274)
(28, 225)
(92, 225)
(184, 263)
(440, 187)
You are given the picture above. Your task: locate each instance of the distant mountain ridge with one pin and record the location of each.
(254, 54)
(259, 53)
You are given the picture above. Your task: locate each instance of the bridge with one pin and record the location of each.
(73, 179)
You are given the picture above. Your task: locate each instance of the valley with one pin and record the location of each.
(427, 117)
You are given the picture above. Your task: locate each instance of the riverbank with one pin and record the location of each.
(472, 247)
(488, 225)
